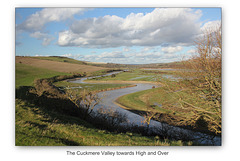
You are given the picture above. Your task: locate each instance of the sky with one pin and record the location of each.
(112, 35)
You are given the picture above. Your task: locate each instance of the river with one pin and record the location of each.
(109, 98)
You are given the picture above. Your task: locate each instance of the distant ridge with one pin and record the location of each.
(66, 65)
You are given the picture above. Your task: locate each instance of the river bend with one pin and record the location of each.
(109, 97)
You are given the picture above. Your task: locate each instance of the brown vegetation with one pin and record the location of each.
(84, 100)
(57, 66)
(203, 82)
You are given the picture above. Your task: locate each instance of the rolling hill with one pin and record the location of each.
(66, 66)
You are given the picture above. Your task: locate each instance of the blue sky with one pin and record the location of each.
(112, 35)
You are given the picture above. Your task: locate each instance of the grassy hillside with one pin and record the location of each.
(54, 64)
(26, 74)
(37, 127)
(60, 59)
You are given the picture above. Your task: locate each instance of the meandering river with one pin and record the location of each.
(109, 98)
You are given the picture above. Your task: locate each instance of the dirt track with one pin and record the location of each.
(57, 66)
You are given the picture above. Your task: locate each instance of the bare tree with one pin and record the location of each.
(205, 83)
(84, 100)
(199, 93)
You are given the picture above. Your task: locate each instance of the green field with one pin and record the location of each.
(140, 75)
(25, 74)
(61, 59)
(41, 123)
(90, 87)
(136, 75)
(156, 98)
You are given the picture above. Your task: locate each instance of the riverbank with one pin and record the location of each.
(39, 126)
(49, 120)
(157, 101)
(49, 100)
(136, 118)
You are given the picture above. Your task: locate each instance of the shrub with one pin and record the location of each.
(110, 117)
(84, 100)
(204, 85)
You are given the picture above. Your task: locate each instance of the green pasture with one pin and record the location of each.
(26, 74)
(61, 59)
(90, 87)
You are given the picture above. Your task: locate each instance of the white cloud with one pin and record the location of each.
(131, 57)
(147, 55)
(143, 55)
(114, 54)
(126, 49)
(172, 49)
(74, 56)
(191, 51)
(46, 39)
(36, 21)
(39, 55)
(67, 55)
(161, 26)
(211, 25)
(146, 49)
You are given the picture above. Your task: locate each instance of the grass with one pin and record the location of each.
(66, 65)
(35, 127)
(25, 74)
(90, 87)
(133, 101)
(168, 102)
(128, 76)
(45, 126)
(140, 75)
(138, 101)
(61, 59)
(157, 96)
